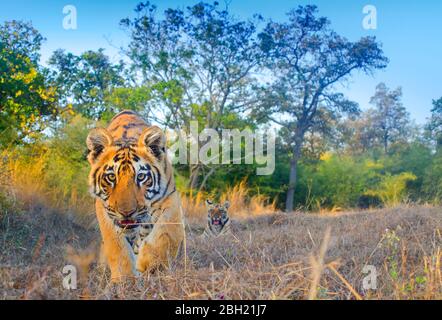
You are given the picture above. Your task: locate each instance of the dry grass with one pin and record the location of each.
(274, 256)
(242, 204)
(31, 182)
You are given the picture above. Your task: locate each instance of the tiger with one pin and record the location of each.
(218, 221)
(136, 202)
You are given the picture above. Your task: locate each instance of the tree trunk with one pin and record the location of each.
(293, 177)
(194, 175)
(206, 177)
(292, 184)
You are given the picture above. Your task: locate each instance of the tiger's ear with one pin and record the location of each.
(227, 204)
(209, 204)
(97, 140)
(154, 139)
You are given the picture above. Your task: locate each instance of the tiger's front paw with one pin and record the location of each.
(147, 259)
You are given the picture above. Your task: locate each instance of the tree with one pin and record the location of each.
(319, 138)
(434, 125)
(132, 98)
(86, 80)
(200, 63)
(307, 60)
(390, 118)
(358, 135)
(22, 38)
(26, 98)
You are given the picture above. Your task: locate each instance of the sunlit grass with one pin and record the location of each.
(242, 203)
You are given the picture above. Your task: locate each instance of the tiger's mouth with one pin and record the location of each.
(127, 223)
(216, 222)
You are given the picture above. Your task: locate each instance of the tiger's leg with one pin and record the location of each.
(115, 248)
(162, 244)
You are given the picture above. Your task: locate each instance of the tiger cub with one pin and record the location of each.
(218, 222)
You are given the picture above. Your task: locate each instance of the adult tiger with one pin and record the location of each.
(137, 205)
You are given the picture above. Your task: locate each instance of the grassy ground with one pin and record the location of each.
(274, 256)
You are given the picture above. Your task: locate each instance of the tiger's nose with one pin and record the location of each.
(127, 212)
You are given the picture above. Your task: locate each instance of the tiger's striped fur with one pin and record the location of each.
(137, 205)
(218, 221)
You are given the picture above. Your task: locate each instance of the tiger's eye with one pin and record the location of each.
(141, 176)
(111, 177)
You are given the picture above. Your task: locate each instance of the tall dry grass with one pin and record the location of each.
(242, 203)
(33, 182)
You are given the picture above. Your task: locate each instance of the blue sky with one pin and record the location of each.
(410, 30)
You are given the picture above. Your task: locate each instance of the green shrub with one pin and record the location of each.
(392, 189)
(340, 181)
(432, 180)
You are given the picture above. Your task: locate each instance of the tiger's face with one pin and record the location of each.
(217, 214)
(128, 178)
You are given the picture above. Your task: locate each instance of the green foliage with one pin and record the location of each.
(133, 98)
(390, 118)
(339, 181)
(392, 189)
(415, 158)
(26, 99)
(199, 60)
(432, 180)
(22, 38)
(85, 80)
(55, 169)
(391, 242)
(342, 181)
(66, 167)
